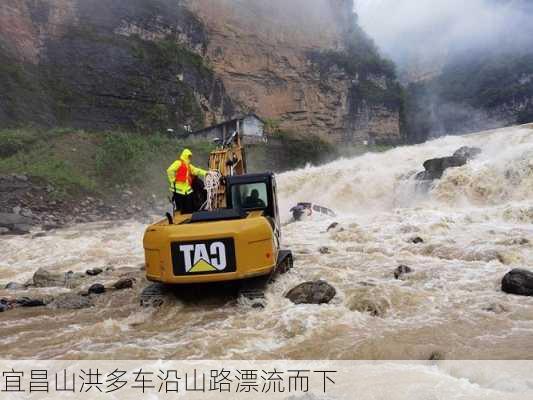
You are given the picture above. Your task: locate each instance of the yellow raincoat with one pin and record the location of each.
(181, 173)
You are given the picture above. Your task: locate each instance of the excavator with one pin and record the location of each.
(235, 237)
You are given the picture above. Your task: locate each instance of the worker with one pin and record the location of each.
(253, 201)
(180, 177)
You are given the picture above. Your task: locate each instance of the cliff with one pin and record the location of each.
(158, 64)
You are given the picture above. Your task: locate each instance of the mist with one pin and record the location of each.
(407, 29)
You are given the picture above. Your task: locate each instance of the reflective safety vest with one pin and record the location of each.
(180, 176)
(184, 174)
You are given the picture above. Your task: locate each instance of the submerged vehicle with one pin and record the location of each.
(304, 211)
(234, 237)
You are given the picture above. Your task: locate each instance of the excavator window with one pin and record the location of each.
(250, 196)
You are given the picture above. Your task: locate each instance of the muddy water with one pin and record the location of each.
(476, 223)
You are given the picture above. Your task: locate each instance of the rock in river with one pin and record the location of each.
(44, 278)
(124, 283)
(71, 301)
(27, 302)
(434, 168)
(317, 292)
(468, 152)
(518, 281)
(401, 271)
(94, 271)
(96, 288)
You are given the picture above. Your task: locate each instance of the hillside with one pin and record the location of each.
(151, 65)
(485, 91)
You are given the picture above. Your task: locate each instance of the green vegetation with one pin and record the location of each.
(77, 162)
(14, 140)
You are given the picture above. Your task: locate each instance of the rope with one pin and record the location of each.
(212, 183)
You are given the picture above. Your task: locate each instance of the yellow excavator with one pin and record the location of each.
(235, 236)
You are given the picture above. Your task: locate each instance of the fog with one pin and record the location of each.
(429, 28)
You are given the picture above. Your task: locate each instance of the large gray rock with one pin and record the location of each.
(468, 152)
(10, 220)
(70, 301)
(44, 278)
(124, 283)
(317, 292)
(435, 167)
(518, 281)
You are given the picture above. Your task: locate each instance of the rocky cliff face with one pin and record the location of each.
(157, 64)
(278, 58)
(106, 65)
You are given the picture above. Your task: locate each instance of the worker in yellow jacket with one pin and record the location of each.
(180, 177)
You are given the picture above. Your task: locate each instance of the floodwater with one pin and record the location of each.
(476, 224)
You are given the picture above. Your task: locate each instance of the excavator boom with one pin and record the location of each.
(228, 159)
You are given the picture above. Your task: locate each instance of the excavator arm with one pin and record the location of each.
(228, 159)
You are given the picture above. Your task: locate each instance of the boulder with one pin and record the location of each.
(324, 250)
(435, 167)
(519, 282)
(94, 271)
(20, 229)
(43, 278)
(70, 301)
(317, 292)
(468, 152)
(416, 240)
(27, 302)
(401, 271)
(11, 220)
(124, 283)
(4, 231)
(96, 288)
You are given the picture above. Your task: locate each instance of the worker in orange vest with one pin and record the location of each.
(180, 177)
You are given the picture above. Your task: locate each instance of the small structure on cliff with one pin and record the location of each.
(251, 128)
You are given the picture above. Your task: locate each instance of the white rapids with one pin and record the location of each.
(476, 224)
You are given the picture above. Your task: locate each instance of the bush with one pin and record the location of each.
(13, 141)
(121, 157)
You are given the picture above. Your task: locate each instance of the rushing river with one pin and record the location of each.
(476, 224)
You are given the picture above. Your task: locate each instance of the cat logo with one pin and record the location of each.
(205, 257)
